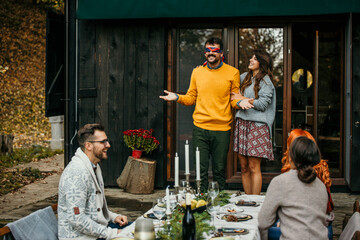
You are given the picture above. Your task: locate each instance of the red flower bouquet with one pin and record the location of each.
(141, 139)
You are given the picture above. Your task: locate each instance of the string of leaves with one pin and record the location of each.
(221, 199)
(173, 229)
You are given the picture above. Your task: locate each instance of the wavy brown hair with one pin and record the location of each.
(265, 68)
(322, 169)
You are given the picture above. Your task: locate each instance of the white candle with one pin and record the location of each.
(176, 170)
(168, 211)
(187, 169)
(197, 164)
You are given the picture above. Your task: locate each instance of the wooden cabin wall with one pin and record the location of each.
(355, 124)
(121, 75)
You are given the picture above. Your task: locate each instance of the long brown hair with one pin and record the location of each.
(265, 68)
(322, 169)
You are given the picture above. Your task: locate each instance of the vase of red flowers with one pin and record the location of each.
(138, 175)
(136, 153)
(140, 140)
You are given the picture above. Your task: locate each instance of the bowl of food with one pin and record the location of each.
(196, 205)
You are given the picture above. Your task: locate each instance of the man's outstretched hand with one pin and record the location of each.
(169, 97)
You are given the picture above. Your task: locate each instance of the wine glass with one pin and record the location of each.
(213, 189)
(212, 208)
(182, 190)
(159, 209)
(173, 200)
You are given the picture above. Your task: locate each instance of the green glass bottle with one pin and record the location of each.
(188, 224)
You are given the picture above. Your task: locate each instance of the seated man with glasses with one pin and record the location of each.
(82, 208)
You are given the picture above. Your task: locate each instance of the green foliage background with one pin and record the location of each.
(22, 53)
(22, 84)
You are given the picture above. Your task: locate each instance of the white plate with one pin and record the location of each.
(222, 238)
(230, 209)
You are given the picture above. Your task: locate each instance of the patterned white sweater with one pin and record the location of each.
(82, 207)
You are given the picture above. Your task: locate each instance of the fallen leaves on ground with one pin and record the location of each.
(22, 54)
(10, 181)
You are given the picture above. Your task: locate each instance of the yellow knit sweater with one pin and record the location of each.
(210, 90)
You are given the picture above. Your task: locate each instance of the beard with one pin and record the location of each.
(214, 59)
(100, 154)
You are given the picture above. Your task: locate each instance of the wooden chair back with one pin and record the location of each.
(5, 230)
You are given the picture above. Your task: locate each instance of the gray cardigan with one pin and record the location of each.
(264, 105)
(300, 207)
(82, 209)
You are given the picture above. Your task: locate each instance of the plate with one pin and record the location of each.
(122, 238)
(230, 209)
(152, 216)
(236, 218)
(222, 238)
(238, 231)
(246, 203)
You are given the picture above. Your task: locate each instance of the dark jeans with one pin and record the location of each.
(214, 144)
(115, 225)
(274, 232)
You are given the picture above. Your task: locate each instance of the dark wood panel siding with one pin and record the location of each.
(141, 76)
(156, 110)
(355, 155)
(128, 73)
(86, 74)
(116, 103)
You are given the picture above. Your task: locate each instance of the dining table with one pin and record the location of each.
(238, 202)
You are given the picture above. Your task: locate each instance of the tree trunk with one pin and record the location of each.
(138, 176)
(6, 144)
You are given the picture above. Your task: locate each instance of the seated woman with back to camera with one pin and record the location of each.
(322, 171)
(298, 198)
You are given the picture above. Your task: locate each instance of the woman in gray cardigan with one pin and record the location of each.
(252, 137)
(298, 198)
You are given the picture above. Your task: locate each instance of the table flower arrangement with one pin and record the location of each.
(141, 139)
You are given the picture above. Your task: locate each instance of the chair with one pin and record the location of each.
(6, 233)
(351, 226)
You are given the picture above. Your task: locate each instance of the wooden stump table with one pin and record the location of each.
(138, 176)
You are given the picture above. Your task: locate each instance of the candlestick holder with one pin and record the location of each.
(168, 217)
(176, 189)
(198, 183)
(187, 175)
(189, 189)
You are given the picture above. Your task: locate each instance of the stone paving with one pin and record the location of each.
(44, 193)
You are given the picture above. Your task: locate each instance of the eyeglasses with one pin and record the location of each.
(103, 141)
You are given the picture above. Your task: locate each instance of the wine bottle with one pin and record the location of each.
(188, 225)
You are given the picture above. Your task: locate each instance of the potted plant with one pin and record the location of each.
(140, 140)
(138, 175)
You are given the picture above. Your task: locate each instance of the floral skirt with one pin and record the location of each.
(252, 140)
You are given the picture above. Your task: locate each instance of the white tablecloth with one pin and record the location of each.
(251, 225)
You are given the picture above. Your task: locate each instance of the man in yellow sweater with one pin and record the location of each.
(209, 91)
